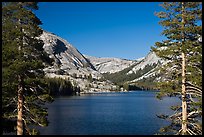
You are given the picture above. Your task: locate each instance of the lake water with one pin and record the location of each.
(131, 113)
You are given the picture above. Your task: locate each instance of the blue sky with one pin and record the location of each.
(104, 29)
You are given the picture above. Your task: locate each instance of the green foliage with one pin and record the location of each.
(121, 77)
(60, 87)
(23, 60)
(126, 86)
(130, 87)
(123, 80)
(90, 78)
(145, 84)
(183, 28)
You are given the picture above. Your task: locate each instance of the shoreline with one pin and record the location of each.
(102, 92)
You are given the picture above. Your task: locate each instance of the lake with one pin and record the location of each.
(130, 113)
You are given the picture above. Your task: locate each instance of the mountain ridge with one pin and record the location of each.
(70, 63)
(109, 64)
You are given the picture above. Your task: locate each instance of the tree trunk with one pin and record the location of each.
(20, 89)
(20, 108)
(184, 103)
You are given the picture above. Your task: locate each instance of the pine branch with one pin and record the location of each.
(179, 132)
(191, 132)
(36, 122)
(190, 96)
(27, 108)
(194, 112)
(41, 100)
(11, 116)
(26, 126)
(196, 125)
(33, 116)
(15, 110)
(193, 91)
(176, 115)
(194, 88)
(13, 100)
(192, 85)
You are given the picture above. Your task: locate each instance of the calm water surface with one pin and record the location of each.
(131, 113)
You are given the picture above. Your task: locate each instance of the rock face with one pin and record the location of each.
(150, 59)
(65, 55)
(69, 62)
(111, 65)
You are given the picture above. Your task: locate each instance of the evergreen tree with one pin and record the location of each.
(183, 72)
(90, 78)
(23, 85)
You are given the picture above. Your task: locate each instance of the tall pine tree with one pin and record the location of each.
(24, 89)
(183, 71)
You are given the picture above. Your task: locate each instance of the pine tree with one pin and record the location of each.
(90, 78)
(183, 72)
(24, 89)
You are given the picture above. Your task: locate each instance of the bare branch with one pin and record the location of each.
(194, 112)
(26, 108)
(15, 110)
(179, 132)
(26, 127)
(36, 122)
(195, 92)
(192, 85)
(33, 116)
(195, 88)
(191, 132)
(196, 126)
(176, 115)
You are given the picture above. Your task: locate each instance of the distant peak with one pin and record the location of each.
(139, 59)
